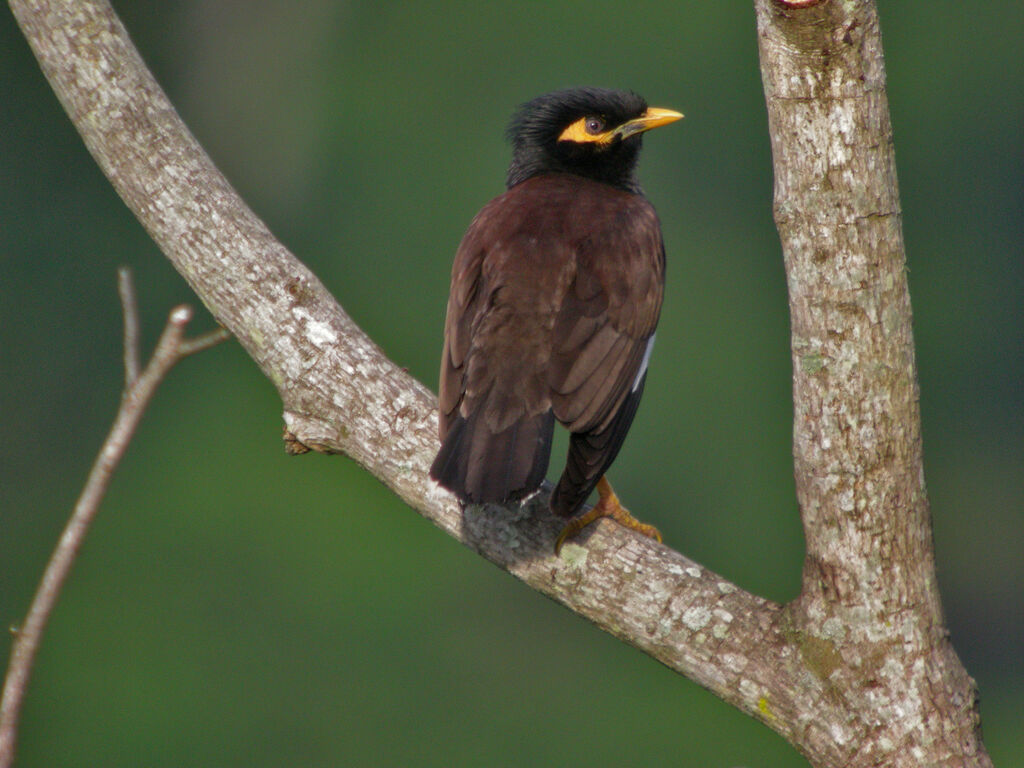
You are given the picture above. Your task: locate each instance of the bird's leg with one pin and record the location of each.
(608, 505)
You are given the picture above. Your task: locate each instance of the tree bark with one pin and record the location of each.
(858, 670)
(869, 620)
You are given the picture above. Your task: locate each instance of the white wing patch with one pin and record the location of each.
(644, 363)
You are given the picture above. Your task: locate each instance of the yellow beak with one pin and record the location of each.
(652, 118)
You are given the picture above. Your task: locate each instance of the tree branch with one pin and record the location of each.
(139, 389)
(341, 394)
(869, 614)
(804, 670)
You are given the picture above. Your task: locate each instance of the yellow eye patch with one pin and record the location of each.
(589, 129)
(582, 131)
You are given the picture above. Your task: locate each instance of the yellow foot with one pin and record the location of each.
(608, 505)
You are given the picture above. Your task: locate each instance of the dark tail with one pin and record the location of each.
(480, 466)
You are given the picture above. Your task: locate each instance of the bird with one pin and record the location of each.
(556, 290)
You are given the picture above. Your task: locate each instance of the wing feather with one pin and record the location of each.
(556, 291)
(602, 342)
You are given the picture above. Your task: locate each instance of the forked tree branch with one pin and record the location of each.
(139, 389)
(807, 670)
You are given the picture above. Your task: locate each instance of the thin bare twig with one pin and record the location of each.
(139, 389)
(204, 341)
(130, 310)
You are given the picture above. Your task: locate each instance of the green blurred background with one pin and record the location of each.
(233, 606)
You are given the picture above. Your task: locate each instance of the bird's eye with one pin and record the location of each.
(594, 125)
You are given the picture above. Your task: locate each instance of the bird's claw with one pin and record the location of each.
(608, 505)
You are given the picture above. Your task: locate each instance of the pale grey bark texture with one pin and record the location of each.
(869, 615)
(858, 670)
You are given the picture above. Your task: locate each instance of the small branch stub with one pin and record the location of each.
(292, 445)
(798, 5)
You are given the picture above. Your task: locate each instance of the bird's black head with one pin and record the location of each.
(590, 132)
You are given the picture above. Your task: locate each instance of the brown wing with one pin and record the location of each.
(509, 276)
(603, 339)
(463, 307)
(556, 289)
